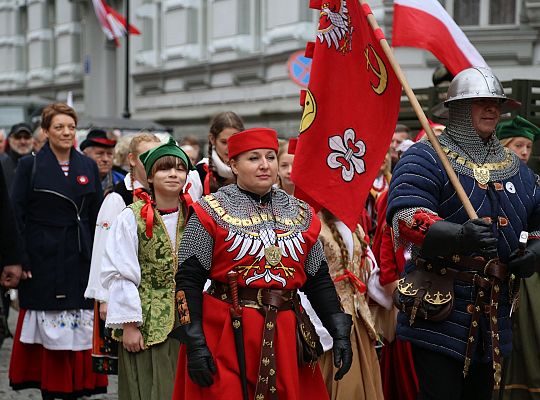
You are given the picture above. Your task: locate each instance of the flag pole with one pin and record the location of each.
(419, 113)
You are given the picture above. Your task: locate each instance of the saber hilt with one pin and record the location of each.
(232, 277)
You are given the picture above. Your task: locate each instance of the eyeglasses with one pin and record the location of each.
(21, 135)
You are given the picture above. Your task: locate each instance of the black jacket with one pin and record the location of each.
(57, 216)
(9, 235)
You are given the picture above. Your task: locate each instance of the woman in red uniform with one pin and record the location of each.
(269, 239)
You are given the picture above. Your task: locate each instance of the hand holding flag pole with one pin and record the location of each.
(419, 111)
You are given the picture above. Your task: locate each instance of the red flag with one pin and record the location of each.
(112, 23)
(350, 112)
(425, 24)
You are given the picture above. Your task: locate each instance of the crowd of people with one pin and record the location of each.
(205, 278)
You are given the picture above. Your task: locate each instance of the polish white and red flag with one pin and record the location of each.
(112, 23)
(425, 24)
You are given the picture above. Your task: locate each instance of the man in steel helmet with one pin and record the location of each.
(457, 291)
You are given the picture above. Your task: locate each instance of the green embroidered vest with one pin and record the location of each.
(158, 258)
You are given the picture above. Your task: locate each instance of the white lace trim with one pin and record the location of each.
(59, 330)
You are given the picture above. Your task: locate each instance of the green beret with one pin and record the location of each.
(149, 158)
(517, 127)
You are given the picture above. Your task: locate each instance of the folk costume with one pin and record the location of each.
(138, 271)
(56, 208)
(459, 323)
(219, 171)
(104, 348)
(350, 277)
(522, 370)
(270, 244)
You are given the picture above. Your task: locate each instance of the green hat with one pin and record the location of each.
(517, 127)
(149, 158)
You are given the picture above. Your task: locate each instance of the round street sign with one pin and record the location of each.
(299, 68)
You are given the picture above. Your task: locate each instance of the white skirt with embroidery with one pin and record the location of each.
(59, 330)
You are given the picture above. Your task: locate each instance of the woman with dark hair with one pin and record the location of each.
(56, 197)
(259, 246)
(214, 170)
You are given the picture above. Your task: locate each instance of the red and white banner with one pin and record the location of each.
(112, 23)
(350, 111)
(425, 24)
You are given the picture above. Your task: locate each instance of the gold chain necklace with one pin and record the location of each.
(480, 172)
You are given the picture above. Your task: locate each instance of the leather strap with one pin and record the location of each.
(487, 282)
(269, 302)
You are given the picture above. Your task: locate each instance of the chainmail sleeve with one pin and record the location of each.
(196, 242)
(314, 259)
(194, 261)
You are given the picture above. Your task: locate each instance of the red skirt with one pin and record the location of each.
(57, 373)
(293, 382)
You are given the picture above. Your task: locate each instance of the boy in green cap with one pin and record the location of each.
(518, 135)
(138, 269)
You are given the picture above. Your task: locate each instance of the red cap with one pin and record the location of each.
(251, 139)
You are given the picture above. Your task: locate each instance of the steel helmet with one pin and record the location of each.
(473, 83)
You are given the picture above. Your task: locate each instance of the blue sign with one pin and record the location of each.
(299, 68)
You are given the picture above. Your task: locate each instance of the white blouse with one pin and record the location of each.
(121, 271)
(110, 208)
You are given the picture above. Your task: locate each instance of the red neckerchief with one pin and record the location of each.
(147, 211)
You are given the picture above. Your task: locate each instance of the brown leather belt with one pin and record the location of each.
(487, 278)
(268, 302)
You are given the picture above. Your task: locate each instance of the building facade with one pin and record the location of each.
(195, 58)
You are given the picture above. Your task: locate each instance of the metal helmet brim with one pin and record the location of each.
(507, 105)
(475, 83)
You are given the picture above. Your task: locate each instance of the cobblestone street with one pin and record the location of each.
(5, 391)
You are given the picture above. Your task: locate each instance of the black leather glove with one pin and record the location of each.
(339, 326)
(445, 238)
(200, 363)
(524, 263)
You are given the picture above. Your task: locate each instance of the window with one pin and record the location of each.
(483, 12)
(467, 12)
(502, 12)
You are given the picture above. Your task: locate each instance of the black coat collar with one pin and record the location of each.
(48, 174)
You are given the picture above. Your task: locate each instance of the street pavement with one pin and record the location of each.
(7, 394)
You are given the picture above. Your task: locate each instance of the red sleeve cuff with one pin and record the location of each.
(415, 232)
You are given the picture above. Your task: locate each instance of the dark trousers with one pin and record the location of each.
(441, 377)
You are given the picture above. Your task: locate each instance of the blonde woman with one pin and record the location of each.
(104, 350)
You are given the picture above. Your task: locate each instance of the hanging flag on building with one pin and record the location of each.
(350, 112)
(112, 23)
(425, 24)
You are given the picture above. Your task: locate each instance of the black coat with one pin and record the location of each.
(9, 236)
(57, 216)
